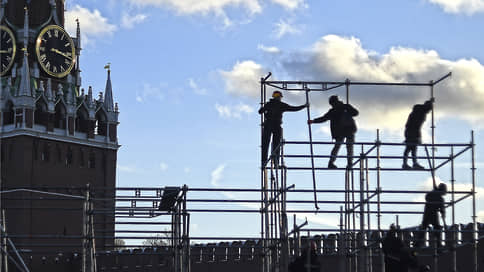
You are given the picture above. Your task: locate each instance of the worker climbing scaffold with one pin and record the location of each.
(354, 242)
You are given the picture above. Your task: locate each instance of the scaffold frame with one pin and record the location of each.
(358, 256)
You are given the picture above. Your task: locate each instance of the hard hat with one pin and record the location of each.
(276, 94)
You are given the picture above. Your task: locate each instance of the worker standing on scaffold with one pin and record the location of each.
(273, 111)
(413, 135)
(342, 126)
(434, 203)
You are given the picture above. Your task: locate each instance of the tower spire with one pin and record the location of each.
(108, 92)
(24, 89)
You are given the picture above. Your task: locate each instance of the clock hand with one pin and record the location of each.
(3, 51)
(60, 53)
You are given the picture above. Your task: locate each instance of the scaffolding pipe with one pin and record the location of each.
(454, 234)
(474, 216)
(362, 262)
(311, 150)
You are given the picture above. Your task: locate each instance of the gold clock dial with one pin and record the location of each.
(55, 51)
(8, 48)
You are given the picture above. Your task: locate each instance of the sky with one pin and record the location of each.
(186, 76)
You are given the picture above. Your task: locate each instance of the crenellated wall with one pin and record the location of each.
(241, 256)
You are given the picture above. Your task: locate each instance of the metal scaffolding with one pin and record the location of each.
(156, 221)
(356, 235)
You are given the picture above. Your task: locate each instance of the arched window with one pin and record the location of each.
(81, 158)
(60, 116)
(82, 120)
(8, 114)
(35, 149)
(45, 155)
(41, 115)
(91, 163)
(58, 153)
(101, 124)
(69, 156)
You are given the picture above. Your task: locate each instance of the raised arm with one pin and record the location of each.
(288, 107)
(324, 118)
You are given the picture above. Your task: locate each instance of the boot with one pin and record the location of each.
(417, 166)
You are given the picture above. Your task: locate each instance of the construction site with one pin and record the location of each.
(61, 208)
(105, 215)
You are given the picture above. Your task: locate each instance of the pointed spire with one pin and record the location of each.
(78, 34)
(53, 5)
(41, 87)
(89, 94)
(48, 93)
(108, 92)
(60, 92)
(24, 89)
(26, 27)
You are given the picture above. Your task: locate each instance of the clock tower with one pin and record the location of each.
(56, 138)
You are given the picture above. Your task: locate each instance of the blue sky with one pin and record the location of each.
(185, 74)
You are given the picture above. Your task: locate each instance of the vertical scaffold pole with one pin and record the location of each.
(378, 196)
(264, 220)
(353, 213)
(474, 217)
(347, 239)
(186, 237)
(361, 241)
(453, 228)
(284, 263)
(312, 151)
(433, 124)
(368, 208)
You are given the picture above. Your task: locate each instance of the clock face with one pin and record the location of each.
(55, 51)
(7, 49)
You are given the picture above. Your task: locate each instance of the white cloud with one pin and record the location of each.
(283, 28)
(93, 24)
(427, 185)
(217, 175)
(244, 78)
(269, 49)
(204, 7)
(290, 4)
(480, 216)
(149, 92)
(196, 89)
(460, 6)
(130, 20)
(233, 111)
(163, 166)
(187, 170)
(335, 58)
(127, 169)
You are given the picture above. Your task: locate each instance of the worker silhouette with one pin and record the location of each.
(273, 111)
(392, 248)
(413, 135)
(342, 126)
(434, 203)
(398, 257)
(308, 261)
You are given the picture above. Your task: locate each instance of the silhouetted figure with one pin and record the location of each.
(392, 248)
(434, 203)
(273, 111)
(398, 258)
(304, 261)
(342, 126)
(413, 135)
